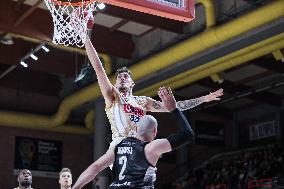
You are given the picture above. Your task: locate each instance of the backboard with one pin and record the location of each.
(181, 10)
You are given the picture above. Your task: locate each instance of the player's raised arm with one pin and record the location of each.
(191, 103)
(91, 172)
(158, 106)
(158, 147)
(106, 87)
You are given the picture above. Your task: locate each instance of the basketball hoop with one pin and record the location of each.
(71, 19)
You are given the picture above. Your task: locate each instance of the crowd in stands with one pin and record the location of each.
(235, 170)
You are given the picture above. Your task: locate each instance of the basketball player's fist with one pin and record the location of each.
(167, 98)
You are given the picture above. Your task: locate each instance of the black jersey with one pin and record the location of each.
(131, 168)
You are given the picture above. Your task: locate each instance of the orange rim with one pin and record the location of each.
(60, 3)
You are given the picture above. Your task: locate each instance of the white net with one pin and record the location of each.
(70, 20)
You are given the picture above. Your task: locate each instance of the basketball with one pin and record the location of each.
(90, 23)
(89, 16)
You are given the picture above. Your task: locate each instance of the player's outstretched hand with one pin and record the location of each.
(167, 98)
(213, 96)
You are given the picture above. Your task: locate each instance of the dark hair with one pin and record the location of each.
(122, 70)
(65, 170)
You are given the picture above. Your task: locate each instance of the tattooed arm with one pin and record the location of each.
(157, 106)
(191, 103)
(188, 104)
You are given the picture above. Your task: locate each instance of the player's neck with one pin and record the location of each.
(62, 187)
(126, 93)
(22, 187)
(142, 138)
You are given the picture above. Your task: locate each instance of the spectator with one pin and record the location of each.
(237, 170)
(25, 179)
(65, 178)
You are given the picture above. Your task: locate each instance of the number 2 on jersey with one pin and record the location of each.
(122, 161)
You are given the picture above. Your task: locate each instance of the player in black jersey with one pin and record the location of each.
(135, 159)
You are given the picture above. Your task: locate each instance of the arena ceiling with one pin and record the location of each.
(129, 39)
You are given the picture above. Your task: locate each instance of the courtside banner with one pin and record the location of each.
(210, 133)
(42, 157)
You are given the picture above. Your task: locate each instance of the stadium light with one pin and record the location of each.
(24, 64)
(45, 48)
(34, 57)
(101, 6)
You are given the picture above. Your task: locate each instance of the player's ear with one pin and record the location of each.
(154, 133)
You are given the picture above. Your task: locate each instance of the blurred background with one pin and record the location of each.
(52, 114)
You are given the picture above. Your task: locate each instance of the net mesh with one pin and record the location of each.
(70, 21)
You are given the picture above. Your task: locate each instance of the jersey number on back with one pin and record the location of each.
(122, 161)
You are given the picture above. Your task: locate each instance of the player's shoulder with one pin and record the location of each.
(159, 140)
(158, 146)
(140, 97)
(157, 143)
